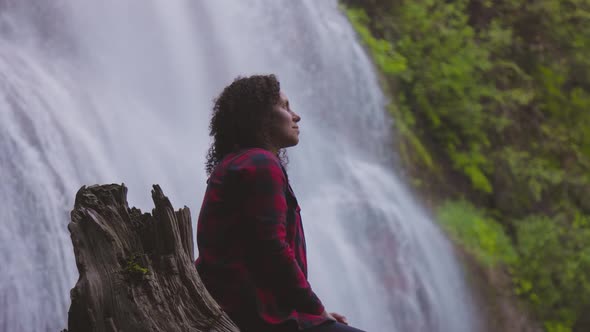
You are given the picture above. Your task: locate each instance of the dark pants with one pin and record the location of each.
(332, 327)
(291, 326)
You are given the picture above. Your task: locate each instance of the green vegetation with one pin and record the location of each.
(555, 275)
(492, 103)
(478, 233)
(133, 270)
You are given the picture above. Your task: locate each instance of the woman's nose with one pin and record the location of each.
(296, 117)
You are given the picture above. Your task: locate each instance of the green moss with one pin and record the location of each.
(551, 326)
(133, 269)
(477, 233)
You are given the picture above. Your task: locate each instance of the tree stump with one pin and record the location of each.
(137, 270)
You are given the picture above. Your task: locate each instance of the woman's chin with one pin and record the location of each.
(292, 144)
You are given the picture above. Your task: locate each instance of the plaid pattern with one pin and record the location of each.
(252, 255)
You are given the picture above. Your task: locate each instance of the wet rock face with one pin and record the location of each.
(136, 269)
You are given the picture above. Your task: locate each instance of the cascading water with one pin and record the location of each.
(121, 91)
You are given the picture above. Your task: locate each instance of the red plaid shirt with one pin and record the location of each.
(252, 256)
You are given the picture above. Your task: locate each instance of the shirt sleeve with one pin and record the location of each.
(265, 212)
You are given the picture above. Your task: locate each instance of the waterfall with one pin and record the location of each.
(121, 91)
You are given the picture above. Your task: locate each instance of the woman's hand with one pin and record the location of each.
(329, 316)
(336, 317)
(340, 318)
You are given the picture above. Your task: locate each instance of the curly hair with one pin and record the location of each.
(242, 115)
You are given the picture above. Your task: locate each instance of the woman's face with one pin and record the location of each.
(285, 131)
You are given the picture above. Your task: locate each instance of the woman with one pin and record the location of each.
(252, 256)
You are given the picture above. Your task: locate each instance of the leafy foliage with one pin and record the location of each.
(478, 233)
(555, 276)
(493, 98)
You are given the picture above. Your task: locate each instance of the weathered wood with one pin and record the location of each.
(137, 270)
